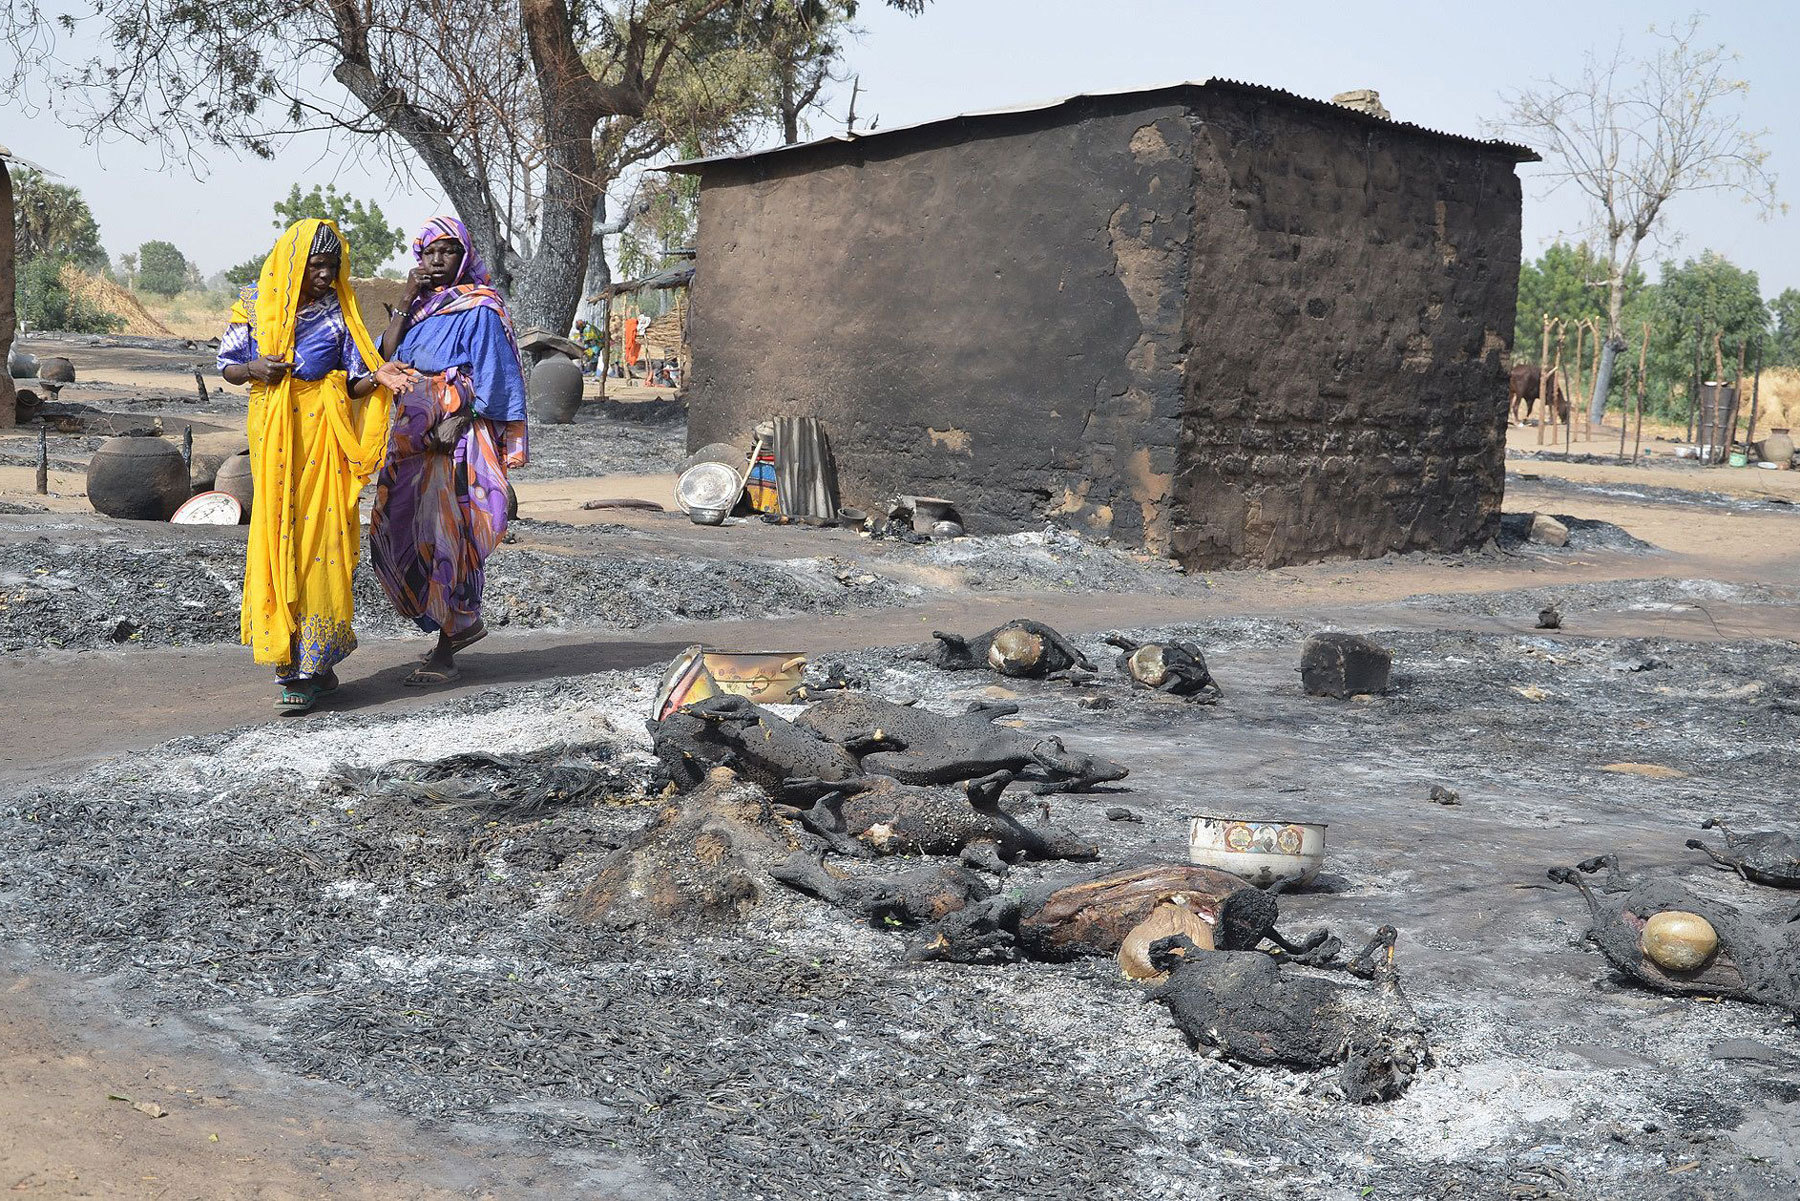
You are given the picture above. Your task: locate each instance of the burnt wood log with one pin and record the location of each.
(703, 862)
(1249, 1008)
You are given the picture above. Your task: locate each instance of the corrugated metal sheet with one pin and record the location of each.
(10, 157)
(695, 166)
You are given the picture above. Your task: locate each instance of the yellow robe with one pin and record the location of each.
(312, 449)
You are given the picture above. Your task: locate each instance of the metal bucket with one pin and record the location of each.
(1716, 415)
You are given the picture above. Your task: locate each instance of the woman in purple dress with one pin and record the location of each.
(441, 503)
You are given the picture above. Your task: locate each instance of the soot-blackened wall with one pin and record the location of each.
(1208, 321)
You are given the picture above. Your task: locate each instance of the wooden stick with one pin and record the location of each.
(1543, 369)
(1637, 441)
(1755, 388)
(43, 468)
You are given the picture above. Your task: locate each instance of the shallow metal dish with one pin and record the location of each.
(1261, 850)
(708, 486)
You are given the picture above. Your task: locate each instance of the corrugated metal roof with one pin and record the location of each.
(10, 157)
(694, 166)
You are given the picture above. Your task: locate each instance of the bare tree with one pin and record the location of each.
(1632, 134)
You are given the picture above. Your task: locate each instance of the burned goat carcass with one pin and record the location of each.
(1094, 916)
(729, 731)
(1250, 1008)
(1761, 857)
(1668, 939)
(1175, 668)
(919, 746)
(880, 816)
(910, 898)
(1022, 649)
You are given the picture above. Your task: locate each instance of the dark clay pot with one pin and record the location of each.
(21, 364)
(56, 370)
(234, 477)
(556, 390)
(142, 479)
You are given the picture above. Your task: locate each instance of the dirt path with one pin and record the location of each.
(79, 1091)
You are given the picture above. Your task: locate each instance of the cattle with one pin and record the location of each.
(1524, 384)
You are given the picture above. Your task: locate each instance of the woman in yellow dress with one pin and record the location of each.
(320, 400)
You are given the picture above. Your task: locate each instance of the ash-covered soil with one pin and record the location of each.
(186, 590)
(1696, 498)
(348, 925)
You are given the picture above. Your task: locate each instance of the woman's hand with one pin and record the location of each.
(418, 283)
(395, 376)
(266, 370)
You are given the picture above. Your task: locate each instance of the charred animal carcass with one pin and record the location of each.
(1252, 1009)
(909, 898)
(918, 746)
(1092, 917)
(1666, 938)
(1761, 857)
(703, 862)
(730, 731)
(1022, 649)
(1177, 668)
(885, 817)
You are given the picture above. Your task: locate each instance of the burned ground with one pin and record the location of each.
(423, 953)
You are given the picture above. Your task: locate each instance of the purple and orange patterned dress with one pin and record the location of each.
(440, 513)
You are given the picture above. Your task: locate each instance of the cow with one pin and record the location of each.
(1524, 385)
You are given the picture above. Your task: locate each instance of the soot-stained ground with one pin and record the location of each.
(284, 887)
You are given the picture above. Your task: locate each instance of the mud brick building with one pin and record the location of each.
(1214, 320)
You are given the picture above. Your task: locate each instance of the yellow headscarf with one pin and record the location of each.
(278, 291)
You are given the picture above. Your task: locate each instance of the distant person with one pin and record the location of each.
(318, 431)
(632, 348)
(441, 505)
(594, 344)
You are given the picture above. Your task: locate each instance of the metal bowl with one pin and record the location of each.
(1263, 851)
(700, 516)
(708, 486)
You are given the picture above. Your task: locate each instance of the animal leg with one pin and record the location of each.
(825, 818)
(992, 709)
(1566, 875)
(870, 741)
(1066, 647)
(1694, 844)
(984, 793)
(984, 855)
(1317, 949)
(1376, 960)
(1123, 643)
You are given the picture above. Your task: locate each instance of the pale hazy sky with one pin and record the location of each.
(1436, 64)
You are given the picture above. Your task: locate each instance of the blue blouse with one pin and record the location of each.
(475, 341)
(322, 342)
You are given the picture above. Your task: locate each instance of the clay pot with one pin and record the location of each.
(142, 479)
(234, 477)
(1778, 447)
(556, 389)
(21, 364)
(210, 453)
(56, 370)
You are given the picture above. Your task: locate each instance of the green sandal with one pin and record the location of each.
(298, 697)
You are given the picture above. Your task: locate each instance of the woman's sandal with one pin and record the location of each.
(298, 697)
(431, 677)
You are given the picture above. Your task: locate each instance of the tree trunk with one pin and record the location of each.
(1615, 308)
(8, 397)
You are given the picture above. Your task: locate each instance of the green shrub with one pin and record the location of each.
(44, 303)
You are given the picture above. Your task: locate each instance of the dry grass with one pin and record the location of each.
(109, 297)
(1778, 400)
(197, 315)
